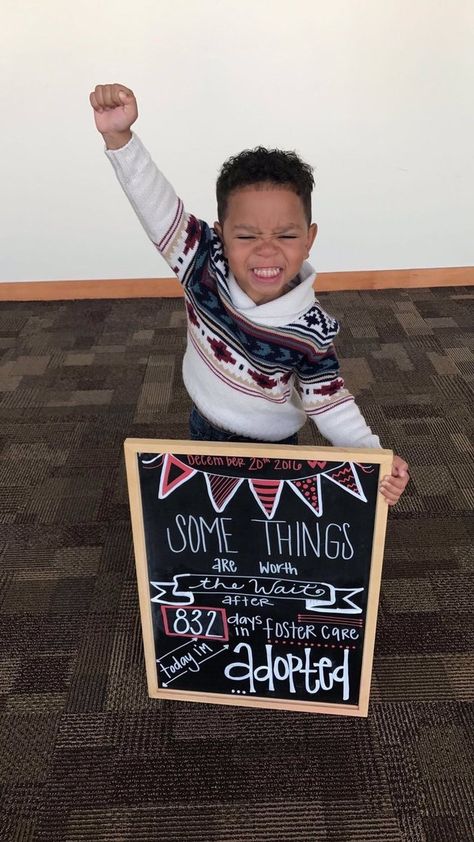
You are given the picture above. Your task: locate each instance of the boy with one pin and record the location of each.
(259, 356)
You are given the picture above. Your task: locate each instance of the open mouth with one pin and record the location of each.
(267, 274)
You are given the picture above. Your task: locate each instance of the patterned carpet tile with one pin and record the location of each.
(85, 755)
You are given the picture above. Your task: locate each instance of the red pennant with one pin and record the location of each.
(309, 489)
(346, 477)
(174, 473)
(221, 489)
(267, 493)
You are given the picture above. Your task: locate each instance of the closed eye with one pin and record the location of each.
(280, 237)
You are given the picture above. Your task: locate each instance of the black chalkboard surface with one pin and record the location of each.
(258, 571)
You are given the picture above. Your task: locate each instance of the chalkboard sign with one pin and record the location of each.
(258, 571)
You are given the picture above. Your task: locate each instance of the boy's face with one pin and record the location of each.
(266, 239)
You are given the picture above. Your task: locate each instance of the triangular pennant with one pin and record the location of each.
(267, 493)
(174, 473)
(221, 489)
(309, 489)
(346, 477)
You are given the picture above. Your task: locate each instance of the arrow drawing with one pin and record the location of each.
(214, 653)
(173, 679)
(219, 651)
(188, 641)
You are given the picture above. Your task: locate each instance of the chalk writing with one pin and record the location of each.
(183, 660)
(198, 535)
(274, 670)
(258, 572)
(300, 539)
(320, 596)
(196, 622)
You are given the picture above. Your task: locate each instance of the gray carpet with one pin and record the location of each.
(85, 756)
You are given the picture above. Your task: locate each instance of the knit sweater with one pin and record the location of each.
(256, 370)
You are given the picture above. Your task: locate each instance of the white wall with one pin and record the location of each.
(376, 94)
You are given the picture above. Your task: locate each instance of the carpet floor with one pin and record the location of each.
(85, 755)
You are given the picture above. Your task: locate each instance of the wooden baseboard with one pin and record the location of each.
(170, 287)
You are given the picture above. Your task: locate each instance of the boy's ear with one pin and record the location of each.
(220, 234)
(312, 233)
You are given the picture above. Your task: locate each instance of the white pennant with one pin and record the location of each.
(344, 468)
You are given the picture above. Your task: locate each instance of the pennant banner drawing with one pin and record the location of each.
(267, 492)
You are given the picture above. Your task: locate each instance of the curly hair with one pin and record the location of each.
(261, 165)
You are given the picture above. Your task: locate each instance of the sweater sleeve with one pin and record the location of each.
(175, 233)
(322, 389)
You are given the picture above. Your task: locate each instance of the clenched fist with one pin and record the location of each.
(115, 110)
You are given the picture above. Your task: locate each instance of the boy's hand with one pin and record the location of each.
(392, 486)
(115, 110)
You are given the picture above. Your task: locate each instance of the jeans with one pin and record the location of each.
(202, 430)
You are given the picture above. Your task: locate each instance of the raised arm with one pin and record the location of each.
(175, 233)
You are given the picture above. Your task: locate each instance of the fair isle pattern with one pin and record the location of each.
(252, 359)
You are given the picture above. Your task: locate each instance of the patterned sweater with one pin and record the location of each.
(256, 370)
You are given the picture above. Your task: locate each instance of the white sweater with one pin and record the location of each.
(256, 370)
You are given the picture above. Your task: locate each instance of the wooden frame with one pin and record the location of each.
(185, 449)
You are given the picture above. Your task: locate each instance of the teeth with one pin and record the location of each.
(266, 273)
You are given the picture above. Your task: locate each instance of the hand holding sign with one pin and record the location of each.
(393, 485)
